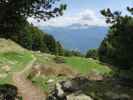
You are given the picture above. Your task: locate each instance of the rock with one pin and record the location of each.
(50, 81)
(60, 92)
(57, 94)
(67, 84)
(74, 85)
(78, 97)
(70, 86)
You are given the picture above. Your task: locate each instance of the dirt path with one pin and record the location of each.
(25, 87)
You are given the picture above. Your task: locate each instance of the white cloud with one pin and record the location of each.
(84, 18)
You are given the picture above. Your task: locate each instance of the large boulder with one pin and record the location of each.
(57, 94)
(67, 90)
(74, 84)
(70, 86)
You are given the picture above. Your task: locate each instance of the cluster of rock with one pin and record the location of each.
(75, 89)
(70, 90)
(8, 92)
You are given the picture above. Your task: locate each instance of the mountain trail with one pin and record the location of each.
(25, 87)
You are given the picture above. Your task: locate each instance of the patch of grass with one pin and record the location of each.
(42, 82)
(14, 62)
(59, 60)
(7, 79)
(7, 45)
(85, 66)
(43, 58)
(82, 65)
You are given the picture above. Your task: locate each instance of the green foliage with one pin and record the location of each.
(59, 59)
(15, 61)
(86, 66)
(117, 47)
(60, 49)
(110, 89)
(50, 43)
(69, 53)
(13, 58)
(30, 38)
(92, 53)
(14, 25)
(14, 13)
(36, 40)
(76, 53)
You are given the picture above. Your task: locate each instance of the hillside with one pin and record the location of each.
(15, 66)
(35, 74)
(66, 50)
(14, 59)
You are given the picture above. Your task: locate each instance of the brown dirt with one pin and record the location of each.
(54, 69)
(93, 76)
(27, 90)
(25, 87)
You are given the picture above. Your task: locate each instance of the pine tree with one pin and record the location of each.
(14, 14)
(60, 49)
(50, 43)
(117, 47)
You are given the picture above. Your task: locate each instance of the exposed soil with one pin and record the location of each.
(25, 87)
(54, 69)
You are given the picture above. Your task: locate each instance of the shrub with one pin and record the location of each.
(59, 59)
(92, 53)
(8, 92)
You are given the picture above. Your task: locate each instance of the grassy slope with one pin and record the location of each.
(100, 90)
(85, 66)
(16, 58)
(82, 65)
(13, 58)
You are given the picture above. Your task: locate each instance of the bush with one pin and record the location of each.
(117, 49)
(92, 53)
(59, 59)
(8, 92)
(69, 53)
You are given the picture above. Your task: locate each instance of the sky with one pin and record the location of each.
(84, 12)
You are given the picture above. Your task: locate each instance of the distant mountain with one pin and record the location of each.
(80, 37)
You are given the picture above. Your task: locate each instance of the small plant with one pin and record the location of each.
(59, 59)
(20, 98)
(30, 76)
